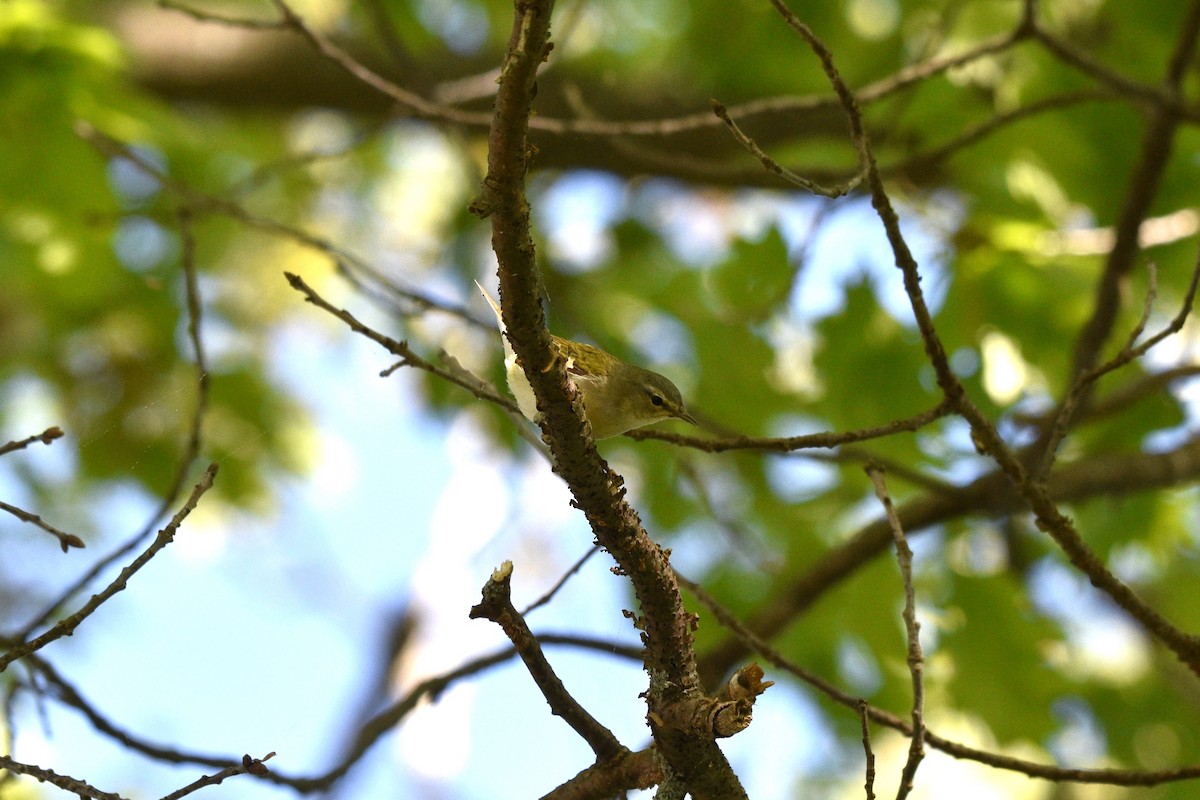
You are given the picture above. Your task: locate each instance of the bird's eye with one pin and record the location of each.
(656, 400)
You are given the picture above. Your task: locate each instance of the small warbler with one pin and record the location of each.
(617, 397)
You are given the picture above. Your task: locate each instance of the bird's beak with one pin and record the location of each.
(686, 417)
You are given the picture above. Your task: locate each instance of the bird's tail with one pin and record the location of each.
(491, 302)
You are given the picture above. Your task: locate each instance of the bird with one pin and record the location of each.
(617, 397)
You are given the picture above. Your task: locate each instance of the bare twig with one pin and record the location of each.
(1144, 94)
(68, 625)
(195, 312)
(1142, 387)
(775, 167)
(738, 533)
(894, 467)
(370, 732)
(429, 689)
(222, 19)
(249, 766)
(409, 100)
(1148, 304)
(201, 202)
(389, 295)
(912, 629)
(996, 122)
(1156, 146)
(77, 787)
(407, 357)
(191, 448)
(59, 687)
(1133, 351)
(785, 444)
(45, 437)
(549, 595)
(65, 540)
(1080, 390)
(864, 718)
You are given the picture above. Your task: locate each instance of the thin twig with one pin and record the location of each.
(574, 569)
(1115, 777)
(997, 122)
(222, 19)
(739, 535)
(912, 630)
(428, 690)
(191, 448)
(992, 495)
(407, 357)
(45, 437)
(864, 718)
(1144, 94)
(249, 766)
(68, 625)
(894, 467)
(590, 125)
(775, 167)
(65, 540)
(1147, 305)
(786, 444)
(1148, 173)
(1080, 391)
(410, 100)
(60, 688)
(75, 786)
(1131, 352)
(202, 202)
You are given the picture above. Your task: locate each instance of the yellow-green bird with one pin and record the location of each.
(617, 397)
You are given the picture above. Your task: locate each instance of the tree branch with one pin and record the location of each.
(497, 606)
(1115, 777)
(75, 786)
(1147, 176)
(598, 492)
(65, 540)
(1115, 475)
(912, 629)
(984, 434)
(249, 766)
(45, 437)
(192, 444)
(68, 625)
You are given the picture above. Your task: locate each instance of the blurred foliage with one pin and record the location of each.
(700, 283)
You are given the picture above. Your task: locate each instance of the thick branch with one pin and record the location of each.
(598, 492)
